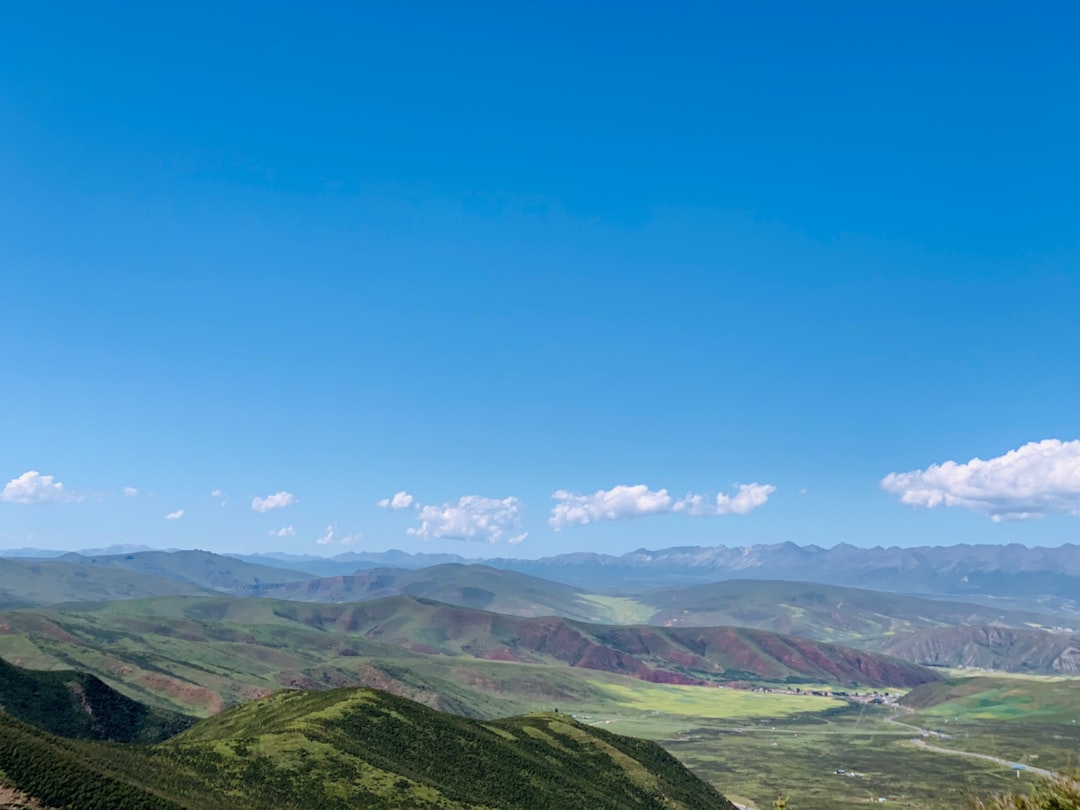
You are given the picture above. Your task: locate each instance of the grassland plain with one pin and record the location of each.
(755, 744)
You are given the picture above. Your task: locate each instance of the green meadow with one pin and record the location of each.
(753, 745)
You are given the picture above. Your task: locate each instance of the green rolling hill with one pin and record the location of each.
(473, 586)
(201, 654)
(350, 748)
(824, 612)
(919, 630)
(832, 613)
(76, 578)
(999, 697)
(48, 582)
(200, 569)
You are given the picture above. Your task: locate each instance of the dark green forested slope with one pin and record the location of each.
(65, 773)
(350, 748)
(75, 704)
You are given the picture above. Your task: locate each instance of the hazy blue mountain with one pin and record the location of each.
(975, 572)
(202, 569)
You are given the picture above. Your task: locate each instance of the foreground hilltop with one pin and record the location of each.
(349, 748)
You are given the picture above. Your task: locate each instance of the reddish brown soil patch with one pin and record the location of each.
(16, 800)
(187, 693)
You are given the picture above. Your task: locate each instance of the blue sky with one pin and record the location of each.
(485, 254)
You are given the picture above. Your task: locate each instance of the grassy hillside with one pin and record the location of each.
(989, 697)
(474, 586)
(47, 582)
(281, 636)
(78, 705)
(824, 612)
(356, 748)
(903, 626)
(202, 569)
(200, 655)
(673, 655)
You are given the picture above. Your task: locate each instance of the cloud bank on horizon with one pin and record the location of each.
(1034, 480)
(1037, 479)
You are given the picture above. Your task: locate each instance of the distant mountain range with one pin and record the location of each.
(1009, 571)
(991, 570)
(974, 571)
(45, 553)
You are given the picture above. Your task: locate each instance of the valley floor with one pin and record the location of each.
(831, 755)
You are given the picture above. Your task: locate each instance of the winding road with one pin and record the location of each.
(937, 749)
(920, 742)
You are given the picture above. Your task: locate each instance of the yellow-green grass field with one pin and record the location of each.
(618, 609)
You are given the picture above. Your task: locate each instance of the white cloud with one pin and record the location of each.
(130, 492)
(33, 487)
(748, 498)
(179, 513)
(472, 517)
(624, 502)
(618, 503)
(331, 537)
(401, 500)
(217, 493)
(284, 531)
(276, 501)
(1037, 479)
